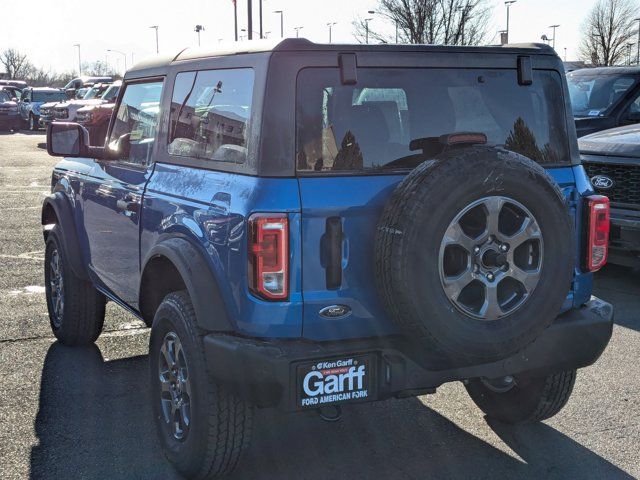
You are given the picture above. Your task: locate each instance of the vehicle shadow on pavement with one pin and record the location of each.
(621, 287)
(95, 421)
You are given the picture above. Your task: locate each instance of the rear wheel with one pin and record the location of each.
(522, 400)
(76, 308)
(203, 428)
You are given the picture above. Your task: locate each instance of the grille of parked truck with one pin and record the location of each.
(612, 161)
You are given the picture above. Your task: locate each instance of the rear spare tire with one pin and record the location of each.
(475, 254)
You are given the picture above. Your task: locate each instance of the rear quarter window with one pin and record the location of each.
(370, 125)
(210, 115)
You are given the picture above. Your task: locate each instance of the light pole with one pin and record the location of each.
(250, 19)
(157, 44)
(366, 24)
(565, 54)
(121, 53)
(638, 45)
(235, 18)
(198, 29)
(629, 45)
(281, 22)
(297, 29)
(260, 15)
(554, 34)
(79, 60)
(508, 3)
(330, 25)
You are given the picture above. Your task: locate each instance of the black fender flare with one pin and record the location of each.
(69, 238)
(204, 291)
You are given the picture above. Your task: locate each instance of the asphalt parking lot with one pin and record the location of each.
(84, 412)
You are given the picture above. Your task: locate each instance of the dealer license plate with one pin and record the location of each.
(337, 380)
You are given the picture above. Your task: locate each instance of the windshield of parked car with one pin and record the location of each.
(111, 93)
(49, 96)
(4, 96)
(592, 95)
(372, 124)
(94, 92)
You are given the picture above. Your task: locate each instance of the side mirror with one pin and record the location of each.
(14, 99)
(65, 139)
(120, 148)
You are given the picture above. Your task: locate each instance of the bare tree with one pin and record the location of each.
(607, 30)
(16, 64)
(445, 22)
(98, 69)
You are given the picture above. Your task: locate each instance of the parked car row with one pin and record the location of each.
(22, 106)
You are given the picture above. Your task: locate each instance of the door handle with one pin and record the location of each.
(128, 204)
(331, 252)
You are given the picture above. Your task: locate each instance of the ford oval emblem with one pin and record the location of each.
(602, 182)
(335, 311)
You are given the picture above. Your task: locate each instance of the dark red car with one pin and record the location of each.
(95, 118)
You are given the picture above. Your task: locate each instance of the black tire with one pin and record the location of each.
(220, 423)
(530, 400)
(83, 307)
(33, 123)
(408, 242)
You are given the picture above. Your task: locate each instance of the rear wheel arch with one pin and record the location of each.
(177, 264)
(48, 219)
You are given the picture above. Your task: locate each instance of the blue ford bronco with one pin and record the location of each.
(308, 226)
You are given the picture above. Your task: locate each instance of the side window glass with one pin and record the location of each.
(136, 123)
(634, 109)
(210, 115)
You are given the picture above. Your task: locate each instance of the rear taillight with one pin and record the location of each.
(269, 256)
(597, 232)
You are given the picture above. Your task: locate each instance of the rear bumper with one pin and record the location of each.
(266, 372)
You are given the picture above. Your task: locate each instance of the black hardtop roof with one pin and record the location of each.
(304, 45)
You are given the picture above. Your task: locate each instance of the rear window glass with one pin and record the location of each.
(370, 125)
(592, 95)
(210, 114)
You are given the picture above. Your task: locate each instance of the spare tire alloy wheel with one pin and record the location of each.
(475, 254)
(175, 392)
(490, 258)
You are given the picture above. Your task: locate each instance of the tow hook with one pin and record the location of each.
(332, 413)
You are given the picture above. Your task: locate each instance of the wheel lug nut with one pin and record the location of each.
(504, 248)
(490, 277)
(476, 250)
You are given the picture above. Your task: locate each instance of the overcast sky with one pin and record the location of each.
(46, 30)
